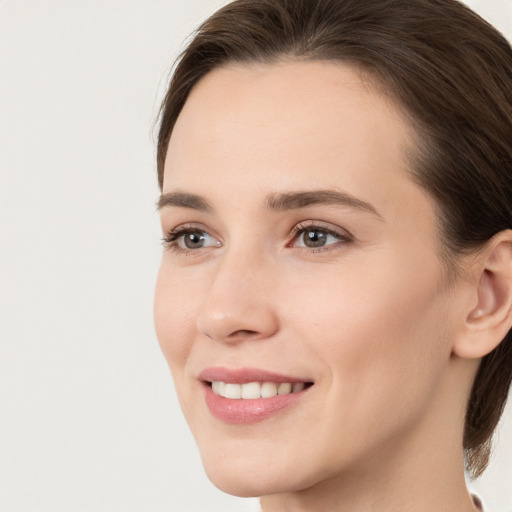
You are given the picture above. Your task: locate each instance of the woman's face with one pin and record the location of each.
(300, 254)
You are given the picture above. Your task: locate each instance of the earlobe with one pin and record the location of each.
(490, 319)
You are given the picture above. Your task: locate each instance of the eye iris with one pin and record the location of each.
(194, 240)
(314, 238)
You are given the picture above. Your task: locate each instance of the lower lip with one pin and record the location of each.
(244, 412)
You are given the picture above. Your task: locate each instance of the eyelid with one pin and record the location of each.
(170, 240)
(341, 234)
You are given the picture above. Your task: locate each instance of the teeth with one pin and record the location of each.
(285, 388)
(233, 391)
(268, 390)
(298, 386)
(219, 388)
(254, 390)
(251, 390)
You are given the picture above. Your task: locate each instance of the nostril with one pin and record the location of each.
(244, 333)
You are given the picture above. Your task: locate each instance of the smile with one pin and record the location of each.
(248, 395)
(255, 390)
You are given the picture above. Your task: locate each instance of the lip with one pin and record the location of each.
(246, 375)
(241, 411)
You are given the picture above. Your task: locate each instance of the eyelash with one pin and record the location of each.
(170, 241)
(342, 236)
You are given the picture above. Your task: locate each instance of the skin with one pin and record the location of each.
(370, 317)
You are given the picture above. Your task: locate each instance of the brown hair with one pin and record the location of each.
(452, 72)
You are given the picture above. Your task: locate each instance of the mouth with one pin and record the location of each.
(256, 390)
(244, 396)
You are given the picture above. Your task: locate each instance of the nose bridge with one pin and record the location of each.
(238, 302)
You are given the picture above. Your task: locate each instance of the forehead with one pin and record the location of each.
(292, 110)
(250, 129)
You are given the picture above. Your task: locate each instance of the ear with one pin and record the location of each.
(490, 315)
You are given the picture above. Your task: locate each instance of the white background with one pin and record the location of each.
(88, 416)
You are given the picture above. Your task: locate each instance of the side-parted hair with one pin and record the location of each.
(452, 74)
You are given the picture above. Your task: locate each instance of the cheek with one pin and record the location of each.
(382, 336)
(174, 317)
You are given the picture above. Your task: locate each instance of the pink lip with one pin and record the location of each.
(245, 375)
(244, 412)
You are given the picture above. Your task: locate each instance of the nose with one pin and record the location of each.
(239, 302)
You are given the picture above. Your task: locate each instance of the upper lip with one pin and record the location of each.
(245, 375)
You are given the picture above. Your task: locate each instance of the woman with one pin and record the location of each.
(335, 293)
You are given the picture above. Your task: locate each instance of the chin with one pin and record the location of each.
(248, 484)
(247, 476)
(236, 484)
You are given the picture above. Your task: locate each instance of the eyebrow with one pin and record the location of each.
(276, 202)
(183, 200)
(297, 200)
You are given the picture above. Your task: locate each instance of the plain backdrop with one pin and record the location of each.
(88, 416)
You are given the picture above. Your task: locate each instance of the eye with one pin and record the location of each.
(318, 237)
(186, 239)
